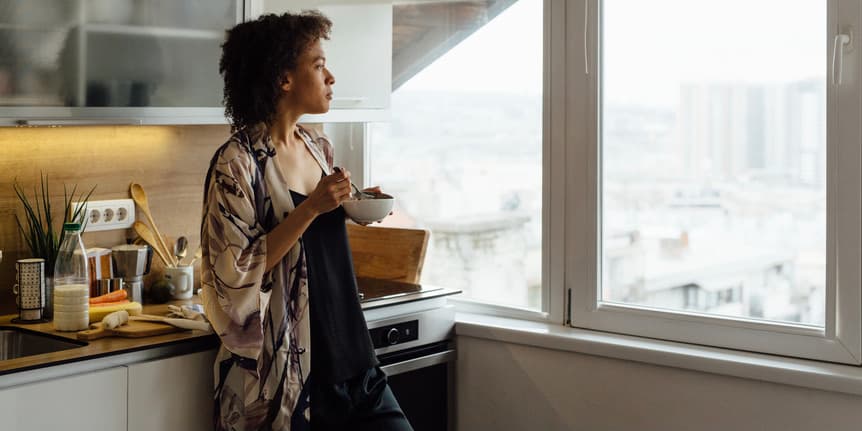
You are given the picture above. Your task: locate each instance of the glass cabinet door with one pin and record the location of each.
(113, 53)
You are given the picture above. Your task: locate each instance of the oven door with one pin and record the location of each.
(422, 379)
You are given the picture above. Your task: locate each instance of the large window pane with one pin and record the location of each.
(714, 156)
(463, 151)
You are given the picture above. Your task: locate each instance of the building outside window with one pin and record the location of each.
(721, 185)
(463, 149)
(694, 182)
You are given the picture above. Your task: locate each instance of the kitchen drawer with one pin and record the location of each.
(180, 389)
(83, 402)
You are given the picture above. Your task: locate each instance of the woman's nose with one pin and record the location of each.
(329, 77)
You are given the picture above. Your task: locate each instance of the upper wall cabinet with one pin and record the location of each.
(358, 53)
(113, 61)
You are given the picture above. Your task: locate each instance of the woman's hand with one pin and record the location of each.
(329, 193)
(374, 191)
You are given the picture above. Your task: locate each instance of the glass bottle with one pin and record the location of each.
(71, 282)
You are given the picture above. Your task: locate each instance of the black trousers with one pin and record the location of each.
(362, 403)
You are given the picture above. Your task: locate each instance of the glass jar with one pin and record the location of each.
(71, 282)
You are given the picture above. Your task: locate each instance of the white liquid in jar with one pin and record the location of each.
(72, 317)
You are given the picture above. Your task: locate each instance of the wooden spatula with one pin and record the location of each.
(140, 198)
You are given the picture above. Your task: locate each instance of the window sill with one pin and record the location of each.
(755, 366)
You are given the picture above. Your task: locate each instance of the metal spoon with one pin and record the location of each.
(180, 248)
(198, 254)
(359, 194)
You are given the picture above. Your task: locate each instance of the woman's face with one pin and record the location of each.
(309, 87)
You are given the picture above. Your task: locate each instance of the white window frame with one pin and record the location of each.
(840, 341)
(553, 307)
(354, 156)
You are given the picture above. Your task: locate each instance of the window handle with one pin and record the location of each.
(838, 57)
(586, 34)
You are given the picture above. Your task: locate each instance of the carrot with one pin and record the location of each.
(117, 295)
(109, 304)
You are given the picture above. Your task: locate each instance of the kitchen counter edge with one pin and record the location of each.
(102, 353)
(113, 351)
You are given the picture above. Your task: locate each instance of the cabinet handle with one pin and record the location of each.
(347, 101)
(82, 122)
(420, 362)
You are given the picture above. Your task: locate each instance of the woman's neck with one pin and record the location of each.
(283, 130)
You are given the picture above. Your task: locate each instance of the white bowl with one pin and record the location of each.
(369, 210)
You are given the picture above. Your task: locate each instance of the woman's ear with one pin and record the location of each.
(285, 82)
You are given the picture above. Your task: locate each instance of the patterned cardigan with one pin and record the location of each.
(261, 317)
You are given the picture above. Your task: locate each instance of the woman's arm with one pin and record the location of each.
(284, 236)
(328, 195)
(234, 251)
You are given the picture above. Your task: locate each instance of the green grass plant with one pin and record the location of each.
(38, 228)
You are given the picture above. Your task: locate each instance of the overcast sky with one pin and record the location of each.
(650, 47)
(504, 54)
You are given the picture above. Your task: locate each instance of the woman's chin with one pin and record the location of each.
(321, 110)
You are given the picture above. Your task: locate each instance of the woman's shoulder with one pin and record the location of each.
(240, 145)
(232, 164)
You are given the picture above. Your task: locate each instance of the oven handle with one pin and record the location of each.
(420, 362)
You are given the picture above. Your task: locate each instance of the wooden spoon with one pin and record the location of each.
(149, 237)
(140, 198)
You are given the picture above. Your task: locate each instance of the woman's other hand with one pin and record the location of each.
(374, 191)
(330, 192)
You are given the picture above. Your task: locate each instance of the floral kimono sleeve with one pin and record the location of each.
(234, 283)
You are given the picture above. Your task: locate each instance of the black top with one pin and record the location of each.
(340, 344)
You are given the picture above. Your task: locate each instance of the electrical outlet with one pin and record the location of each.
(109, 215)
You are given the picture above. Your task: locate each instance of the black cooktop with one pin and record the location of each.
(375, 289)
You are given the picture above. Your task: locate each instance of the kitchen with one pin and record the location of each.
(515, 369)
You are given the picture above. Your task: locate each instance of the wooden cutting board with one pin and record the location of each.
(132, 329)
(388, 253)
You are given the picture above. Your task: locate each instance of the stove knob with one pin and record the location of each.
(392, 336)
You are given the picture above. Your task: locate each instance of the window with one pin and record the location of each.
(676, 170)
(463, 149)
(718, 158)
(722, 194)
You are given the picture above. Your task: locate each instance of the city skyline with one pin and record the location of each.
(473, 129)
(720, 154)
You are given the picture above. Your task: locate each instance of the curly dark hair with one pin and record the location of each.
(255, 56)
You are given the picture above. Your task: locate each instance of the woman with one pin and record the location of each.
(277, 278)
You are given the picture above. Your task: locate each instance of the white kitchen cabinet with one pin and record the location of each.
(85, 402)
(359, 55)
(172, 394)
(80, 62)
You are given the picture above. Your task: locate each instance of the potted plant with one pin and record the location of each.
(39, 230)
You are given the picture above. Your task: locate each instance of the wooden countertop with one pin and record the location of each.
(105, 346)
(183, 341)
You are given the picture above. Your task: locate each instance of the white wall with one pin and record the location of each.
(503, 387)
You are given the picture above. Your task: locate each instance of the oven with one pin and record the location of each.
(416, 351)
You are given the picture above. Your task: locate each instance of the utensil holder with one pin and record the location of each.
(30, 290)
